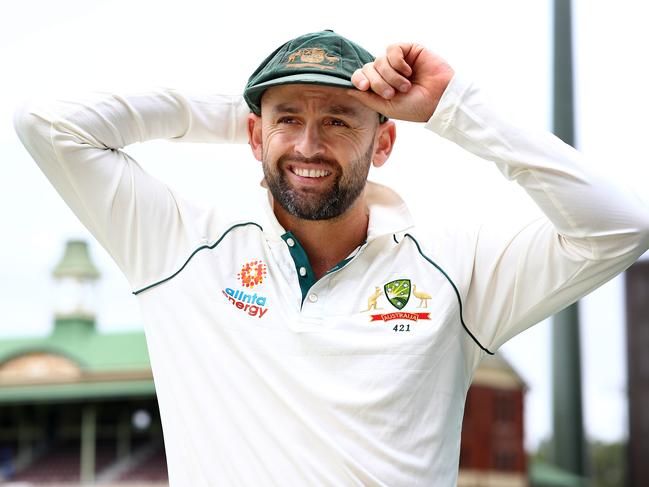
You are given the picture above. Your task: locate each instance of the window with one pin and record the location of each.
(504, 459)
(504, 406)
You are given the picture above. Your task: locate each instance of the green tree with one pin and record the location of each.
(608, 461)
(608, 464)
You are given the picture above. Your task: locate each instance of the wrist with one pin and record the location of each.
(447, 104)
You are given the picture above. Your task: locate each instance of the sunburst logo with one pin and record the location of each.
(252, 273)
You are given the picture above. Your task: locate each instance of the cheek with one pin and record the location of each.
(355, 149)
(355, 142)
(275, 138)
(267, 144)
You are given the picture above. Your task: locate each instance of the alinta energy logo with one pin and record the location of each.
(251, 275)
(398, 293)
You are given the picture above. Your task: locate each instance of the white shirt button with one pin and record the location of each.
(313, 297)
(290, 242)
(302, 271)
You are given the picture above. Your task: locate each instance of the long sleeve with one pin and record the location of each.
(593, 228)
(78, 144)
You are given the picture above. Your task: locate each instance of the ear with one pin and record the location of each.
(254, 135)
(386, 134)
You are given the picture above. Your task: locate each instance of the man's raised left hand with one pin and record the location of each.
(406, 84)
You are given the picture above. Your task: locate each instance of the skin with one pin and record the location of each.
(337, 130)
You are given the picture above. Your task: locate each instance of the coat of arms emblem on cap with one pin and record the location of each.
(313, 57)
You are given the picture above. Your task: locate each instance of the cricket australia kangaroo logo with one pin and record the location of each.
(397, 294)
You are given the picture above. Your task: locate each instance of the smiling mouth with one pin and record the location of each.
(310, 173)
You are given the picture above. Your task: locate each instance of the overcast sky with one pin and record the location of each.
(68, 47)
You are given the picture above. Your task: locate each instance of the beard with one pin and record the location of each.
(316, 204)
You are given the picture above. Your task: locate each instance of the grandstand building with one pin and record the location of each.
(78, 407)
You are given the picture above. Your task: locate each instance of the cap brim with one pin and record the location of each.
(302, 78)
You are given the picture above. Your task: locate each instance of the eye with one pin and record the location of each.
(287, 120)
(336, 122)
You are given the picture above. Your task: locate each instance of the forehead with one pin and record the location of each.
(305, 97)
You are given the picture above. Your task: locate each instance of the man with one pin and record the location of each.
(327, 340)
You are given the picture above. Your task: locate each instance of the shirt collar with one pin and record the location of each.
(388, 213)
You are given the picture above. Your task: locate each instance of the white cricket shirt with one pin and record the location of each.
(266, 377)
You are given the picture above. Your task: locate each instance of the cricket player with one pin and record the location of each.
(327, 340)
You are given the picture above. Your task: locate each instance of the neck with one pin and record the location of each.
(327, 242)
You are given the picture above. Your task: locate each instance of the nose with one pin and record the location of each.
(309, 141)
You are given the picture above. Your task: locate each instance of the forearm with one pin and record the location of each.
(114, 121)
(597, 215)
(77, 144)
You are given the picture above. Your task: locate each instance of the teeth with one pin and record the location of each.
(310, 173)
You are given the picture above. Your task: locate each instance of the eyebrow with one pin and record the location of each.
(285, 108)
(342, 110)
(331, 110)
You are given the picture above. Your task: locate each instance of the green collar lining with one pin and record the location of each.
(303, 267)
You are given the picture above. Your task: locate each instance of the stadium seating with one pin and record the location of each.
(152, 469)
(59, 464)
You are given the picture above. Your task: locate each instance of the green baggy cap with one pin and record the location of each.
(320, 58)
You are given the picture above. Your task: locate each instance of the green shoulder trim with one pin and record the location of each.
(202, 247)
(457, 293)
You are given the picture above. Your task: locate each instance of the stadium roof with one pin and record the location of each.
(74, 362)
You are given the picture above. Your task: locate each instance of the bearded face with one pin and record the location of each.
(316, 144)
(340, 188)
